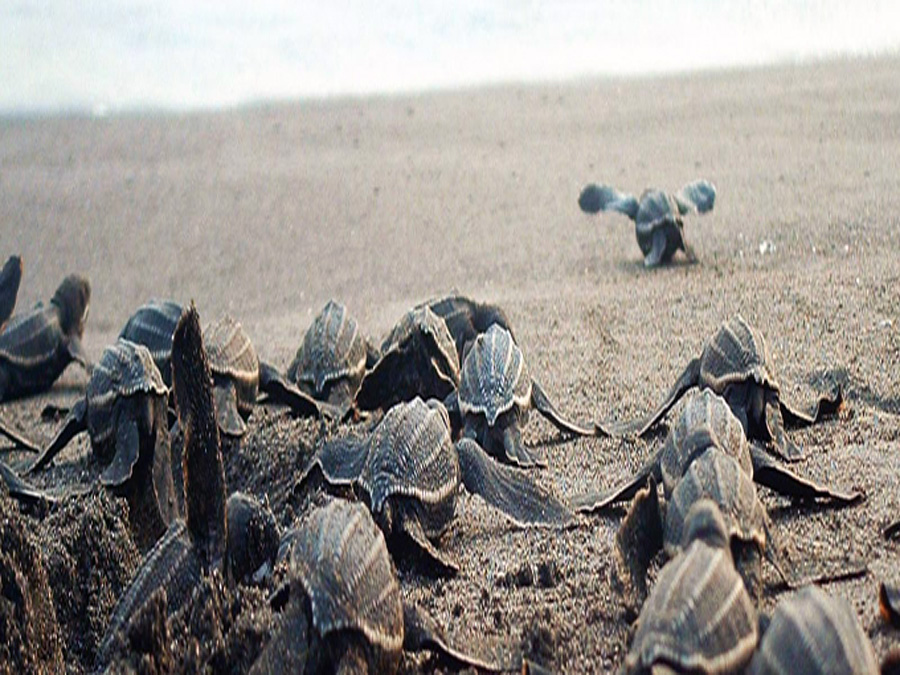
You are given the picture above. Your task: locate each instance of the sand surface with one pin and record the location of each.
(382, 203)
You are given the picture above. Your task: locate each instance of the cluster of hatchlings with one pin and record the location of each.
(455, 390)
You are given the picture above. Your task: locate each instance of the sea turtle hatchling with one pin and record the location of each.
(496, 391)
(124, 410)
(408, 472)
(239, 375)
(345, 611)
(466, 319)
(736, 365)
(418, 358)
(658, 217)
(332, 360)
(10, 278)
(36, 346)
(707, 419)
(698, 617)
(813, 632)
(153, 325)
(199, 544)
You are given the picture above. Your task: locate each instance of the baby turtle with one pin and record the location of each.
(239, 375)
(200, 544)
(813, 632)
(495, 394)
(707, 420)
(408, 473)
(699, 617)
(36, 347)
(345, 612)
(153, 325)
(124, 410)
(418, 358)
(658, 217)
(331, 362)
(735, 364)
(10, 278)
(466, 319)
(253, 538)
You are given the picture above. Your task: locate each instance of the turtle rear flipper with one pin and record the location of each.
(543, 405)
(279, 389)
(508, 489)
(20, 489)
(699, 196)
(227, 414)
(412, 528)
(420, 633)
(515, 450)
(827, 404)
(595, 198)
(687, 380)
(784, 447)
(597, 501)
(10, 278)
(783, 481)
(639, 539)
(75, 423)
(16, 437)
(128, 448)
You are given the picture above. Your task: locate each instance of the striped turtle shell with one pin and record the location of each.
(813, 632)
(494, 376)
(153, 325)
(341, 562)
(411, 456)
(333, 351)
(232, 358)
(735, 354)
(699, 617)
(705, 421)
(125, 369)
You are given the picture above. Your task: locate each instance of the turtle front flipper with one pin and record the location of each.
(699, 196)
(827, 404)
(378, 387)
(78, 352)
(227, 414)
(515, 450)
(543, 405)
(686, 381)
(75, 423)
(16, 437)
(784, 447)
(508, 489)
(768, 473)
(341, 461)
(410, 526)
(128, 448)
(279, 389)
(639, 539)
(20, 489)
(421, 633)
(597, 501)
(595, 198)
(10, 278)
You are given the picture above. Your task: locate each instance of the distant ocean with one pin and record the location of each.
(100, 56)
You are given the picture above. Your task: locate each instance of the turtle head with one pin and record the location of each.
(73, 300)
(204, 473)
(705, 523)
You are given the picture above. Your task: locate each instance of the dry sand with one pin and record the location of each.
(267, 213)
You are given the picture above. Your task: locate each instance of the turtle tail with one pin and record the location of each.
(204, 473)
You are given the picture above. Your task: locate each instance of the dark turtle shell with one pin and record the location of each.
(736, 354)
(659, 228)
(36, 346)
(699, 617)
(813, 632)
(418, 358)
(153, 325)
(331, 362)
(494, 377)
(235, 371)
(340, 562)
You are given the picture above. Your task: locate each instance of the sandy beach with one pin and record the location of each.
(266, 213)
